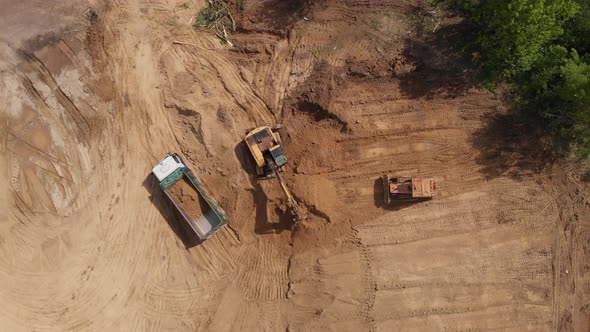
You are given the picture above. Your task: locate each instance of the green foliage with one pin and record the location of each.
(575, 85)
(577, 31)
(541, 50)
(573, 90)
(556, 92)
(375, 25)
(534, 84)
(240, 4)
(511, 34)
(210, 15)
(218, 18)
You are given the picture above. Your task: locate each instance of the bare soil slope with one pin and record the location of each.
(90, 101)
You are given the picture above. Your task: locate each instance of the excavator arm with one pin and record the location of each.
(297, 211)
(299, 214)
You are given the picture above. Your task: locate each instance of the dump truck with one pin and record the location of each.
(407, 188)
(264, 144)
(189, 196)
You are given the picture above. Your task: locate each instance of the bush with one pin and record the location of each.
(217, 17)
(210, 15)
(556, 93)
(511, 34)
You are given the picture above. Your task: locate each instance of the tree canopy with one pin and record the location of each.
(541, 50)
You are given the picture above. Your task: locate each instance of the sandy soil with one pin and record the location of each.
(188, 198)
(94, 93)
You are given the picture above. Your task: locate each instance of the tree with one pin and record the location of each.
(513, 33)
(541, 50)
(573, 93)
(577, 31)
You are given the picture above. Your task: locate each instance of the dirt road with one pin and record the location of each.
(94, 93)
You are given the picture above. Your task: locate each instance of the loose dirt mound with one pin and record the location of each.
(189, 199)
(94, 99)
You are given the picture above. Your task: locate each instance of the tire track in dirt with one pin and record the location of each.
(263, 275)
(368, 304)
(270, 58)
(118, 279)
(71, 109)
(37, 159)
(470, 211)
(476, 257)
(259, 316)
(503, 318)
(441, 244)
(333, 289)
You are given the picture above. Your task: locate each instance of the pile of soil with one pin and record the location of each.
(188, 198)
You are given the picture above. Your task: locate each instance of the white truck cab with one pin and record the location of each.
(167, 166)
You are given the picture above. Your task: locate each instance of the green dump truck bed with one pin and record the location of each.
(193, 201)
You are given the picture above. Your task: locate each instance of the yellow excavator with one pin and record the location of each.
(265, 146)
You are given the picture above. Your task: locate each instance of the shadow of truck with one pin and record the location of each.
(170, 214)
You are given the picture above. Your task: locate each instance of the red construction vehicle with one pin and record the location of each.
(407, 188)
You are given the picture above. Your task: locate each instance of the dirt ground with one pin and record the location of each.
(94, 93)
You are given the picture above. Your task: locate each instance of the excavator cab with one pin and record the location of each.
(265, 146)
